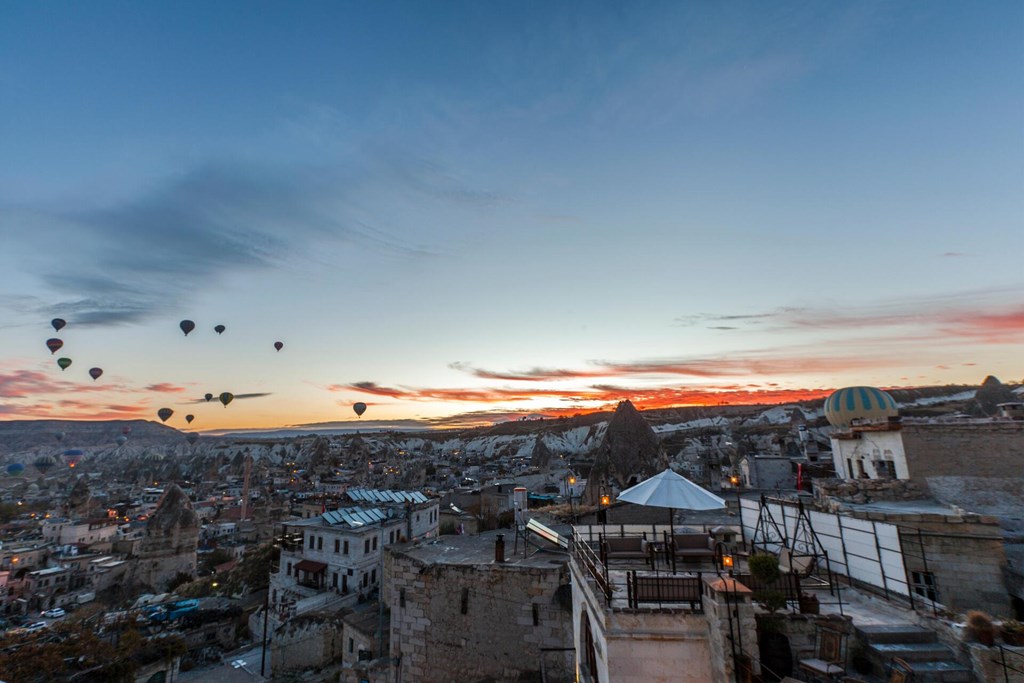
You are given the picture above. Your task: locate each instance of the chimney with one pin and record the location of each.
(499, 548)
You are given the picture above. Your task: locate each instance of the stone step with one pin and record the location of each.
(941, 672)
(911, 652)
(895, 633)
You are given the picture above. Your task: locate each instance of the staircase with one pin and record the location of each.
(931, 661)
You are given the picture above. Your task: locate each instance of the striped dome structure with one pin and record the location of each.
(859, 403)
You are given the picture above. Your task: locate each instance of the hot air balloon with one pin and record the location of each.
(15, 468)
(126, 430)
(59, 436)
(121, 440)
(43, 463)
(278, 345)
(189, 418)
(360, 408)
(187, 326)
(164, 414)
(226, 398)
(64, 363)
(58, 323)
(208, 397)
(192, 438)
(95, 373)
(219, 329)
(54, 344)
(72, 457)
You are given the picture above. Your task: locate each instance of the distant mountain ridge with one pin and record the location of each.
(23, 435)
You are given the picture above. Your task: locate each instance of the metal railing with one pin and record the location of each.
(1015, 663)
(591, 563)
(665, 589)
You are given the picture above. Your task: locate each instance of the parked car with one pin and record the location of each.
(55, 613)
(36, 627)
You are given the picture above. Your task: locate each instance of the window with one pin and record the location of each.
(289, 569)
(351, 645)
(344, 584)
(536, 614)
(401, 598)
(391, 536)
(334, 580)
(373, 576)
(311, 541)
(320, 543)
(337, 545)
(346, 548)
(464, 607)
(924, 585)
(366, 547)
(374, 542)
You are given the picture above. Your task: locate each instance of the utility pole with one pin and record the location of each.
(266, 607)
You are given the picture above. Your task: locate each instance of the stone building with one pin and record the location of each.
(459, 614)
(171, 538)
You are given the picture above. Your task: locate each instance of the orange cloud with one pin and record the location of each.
(603, 395)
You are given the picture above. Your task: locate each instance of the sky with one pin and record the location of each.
(463, 212)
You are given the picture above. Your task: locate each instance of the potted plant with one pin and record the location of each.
(764, 569)
(1012, 632)
(980, 627)
(809, 603)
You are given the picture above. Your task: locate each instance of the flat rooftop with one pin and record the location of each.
(478, 549)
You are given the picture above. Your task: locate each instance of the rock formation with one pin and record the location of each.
(542, 455)
(629, 453)
(172, 536)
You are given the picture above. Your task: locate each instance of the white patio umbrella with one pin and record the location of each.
(673, 491)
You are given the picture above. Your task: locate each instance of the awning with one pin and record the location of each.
(311, 566)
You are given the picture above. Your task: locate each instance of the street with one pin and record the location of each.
(239, 667)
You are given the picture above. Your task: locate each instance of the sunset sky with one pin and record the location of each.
(465, 211)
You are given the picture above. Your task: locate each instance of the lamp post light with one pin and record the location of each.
(603, 500)
(570, 492)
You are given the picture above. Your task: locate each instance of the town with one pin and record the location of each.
(865, 537)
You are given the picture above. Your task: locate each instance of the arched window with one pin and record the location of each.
(588, 658)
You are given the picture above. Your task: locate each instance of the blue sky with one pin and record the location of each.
(475, 208)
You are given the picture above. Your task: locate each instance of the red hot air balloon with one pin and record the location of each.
(95, 373)
(54, 344)
(189, 418)
(360, 408)
(164, 414)
(219, 329)
(187, 326)
(58, 323)
(126, 430)
(278, 345)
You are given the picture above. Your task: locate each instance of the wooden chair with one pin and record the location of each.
(900, 672)
(829, 661)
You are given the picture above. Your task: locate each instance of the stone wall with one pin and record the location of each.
(458, 622)
(986, 449)
(831, 492)
(306, 642)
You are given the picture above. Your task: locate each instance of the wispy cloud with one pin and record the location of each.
(990, 316)
(140, 257)
(165, 388)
